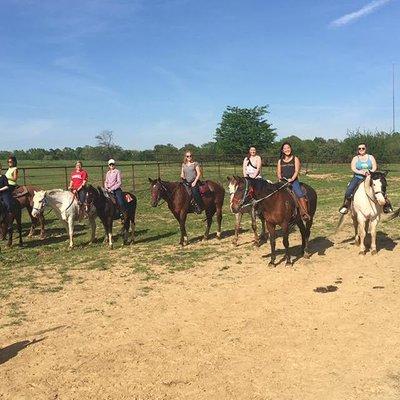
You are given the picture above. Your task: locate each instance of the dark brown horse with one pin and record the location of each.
(7, 220)
(278, 206)
(179, 202)
(24, 196)
(107, 210)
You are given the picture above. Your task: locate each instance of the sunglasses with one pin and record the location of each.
(361, 148)
(111, 164)
(189, 156)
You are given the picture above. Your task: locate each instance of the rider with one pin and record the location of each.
(289, 168)
(79, 178)
(12, 172)
(113, 184)
(190, 174)
(5, 192)
(361, 164)
(252, 164)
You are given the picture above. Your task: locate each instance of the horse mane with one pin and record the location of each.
(53, 191)
(262, 184)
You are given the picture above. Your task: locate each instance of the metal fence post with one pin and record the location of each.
(66, 177)
(133, 177)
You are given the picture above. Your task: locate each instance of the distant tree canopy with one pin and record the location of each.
(241, 128)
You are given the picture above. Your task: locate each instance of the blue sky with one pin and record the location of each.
(164, 71)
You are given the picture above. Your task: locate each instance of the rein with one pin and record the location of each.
(254, 202)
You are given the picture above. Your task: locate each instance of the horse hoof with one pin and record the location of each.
(42, 237)
(271, 264)
(219, 236)
(306, 255)
(289, 264)
(374, 252)
(361, 253)
(256, 243)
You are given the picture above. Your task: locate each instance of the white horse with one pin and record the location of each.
(232, 186)
(66, 207)
(367, 207)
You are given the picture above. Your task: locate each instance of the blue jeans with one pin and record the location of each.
(352, 187)
(120, 198)
(7, 200)
(297, 188)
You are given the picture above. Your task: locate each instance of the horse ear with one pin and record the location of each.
(34, 192)
(150, 180)
(158, 179)
(385, 172)
(228, 178)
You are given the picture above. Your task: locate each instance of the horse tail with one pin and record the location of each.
(340, 223)
(392, 216)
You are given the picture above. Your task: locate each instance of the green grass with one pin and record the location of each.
(48, 266)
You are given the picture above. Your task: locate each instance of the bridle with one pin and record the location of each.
(375, 193)
(159, 193)
(43, 203)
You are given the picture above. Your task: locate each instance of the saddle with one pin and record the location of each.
(295, 198)
(20, 191)
(204, 189)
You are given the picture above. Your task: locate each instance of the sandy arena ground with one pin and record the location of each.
(231, 328)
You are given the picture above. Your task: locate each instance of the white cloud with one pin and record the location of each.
(363, 11)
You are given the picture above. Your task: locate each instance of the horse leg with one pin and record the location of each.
(307, 237)
(133, 230)
(182, 224)
(219, 220)
(285, 229)
(238, 219)
(109, 232)
(254, 227)
(263, 235)
(19, 226)
(272, 239)
(356, 232)
(33, 221)
(373, 225)
(92, 222)
(10, 228)
(42, 222)
(209, 215)
(71, 231)
(126, 226)
(361, 233)
(304, 242)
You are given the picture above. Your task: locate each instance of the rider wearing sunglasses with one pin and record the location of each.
(361, 165)
(190, 174)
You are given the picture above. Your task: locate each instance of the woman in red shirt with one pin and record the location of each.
(79, 177)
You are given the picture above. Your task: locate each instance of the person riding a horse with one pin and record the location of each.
(190, 174)
(252, 164)
(361, 165)
(12, 173)
(288, 168)
(113, 183)
(79, 178)
(5, 192)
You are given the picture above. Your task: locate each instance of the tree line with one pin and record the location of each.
(239, 129)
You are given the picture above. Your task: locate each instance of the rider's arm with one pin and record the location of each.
(4, 188)
(297, 166)
(84, 181)
(278, 170)
(354, 169)
(15, 175)
(198, 172)
(4, 181)
(119, 180)
(258, 166)
(182, 173)
(374, 165)
(244, 166)
(70, 185)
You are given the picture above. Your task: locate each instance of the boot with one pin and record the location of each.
(345, 207)
(303, 209)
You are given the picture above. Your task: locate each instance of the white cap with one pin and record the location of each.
(111, 161)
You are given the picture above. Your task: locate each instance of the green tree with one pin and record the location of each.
(241, 128)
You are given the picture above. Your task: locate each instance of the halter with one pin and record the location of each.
(374, 199)
(43, 204)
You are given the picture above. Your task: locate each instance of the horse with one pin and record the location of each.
(65, 205)
(367, 207)
(24, 196)
(279, 207)
(107, 210)
(238, 217)
(179, 202)
(7, 220)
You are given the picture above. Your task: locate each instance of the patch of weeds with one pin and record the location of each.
(144, 291)
(51, 289)
(149, 274)
(15, 314)
(101, 265)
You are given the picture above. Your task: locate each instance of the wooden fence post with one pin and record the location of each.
(133, 177)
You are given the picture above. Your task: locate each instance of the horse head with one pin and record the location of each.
(378, 184)
(156, 189)
(239, 191)
(39, 202)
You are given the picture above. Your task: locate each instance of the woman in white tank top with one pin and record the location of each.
(252, 164)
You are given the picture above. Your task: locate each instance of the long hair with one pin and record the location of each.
(13, 159)
(184, 156)
(248, 151)
(362, 143)
(282, 153)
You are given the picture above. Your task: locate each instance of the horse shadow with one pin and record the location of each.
(224, 235)
(6, 353)
(50, 240)
(383, 241)
(155, 237)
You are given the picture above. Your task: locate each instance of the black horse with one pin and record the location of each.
(7, 220)
(107, 210)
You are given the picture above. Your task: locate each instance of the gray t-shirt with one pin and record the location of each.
(189, 171)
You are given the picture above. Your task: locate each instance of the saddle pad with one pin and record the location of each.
(204, 189)
(20, 191)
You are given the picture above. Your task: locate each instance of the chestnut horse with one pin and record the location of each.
(179, 202)
(278, 206)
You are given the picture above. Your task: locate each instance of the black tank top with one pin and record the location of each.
(287, 168)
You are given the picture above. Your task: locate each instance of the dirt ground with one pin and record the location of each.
(230, 328)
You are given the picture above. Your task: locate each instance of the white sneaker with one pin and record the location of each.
(343, 210)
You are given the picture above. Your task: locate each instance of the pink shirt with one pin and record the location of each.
(113, 179)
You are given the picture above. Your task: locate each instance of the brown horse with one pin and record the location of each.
(179, 202)
(24, 196)
(278, 206)
(7, 219)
